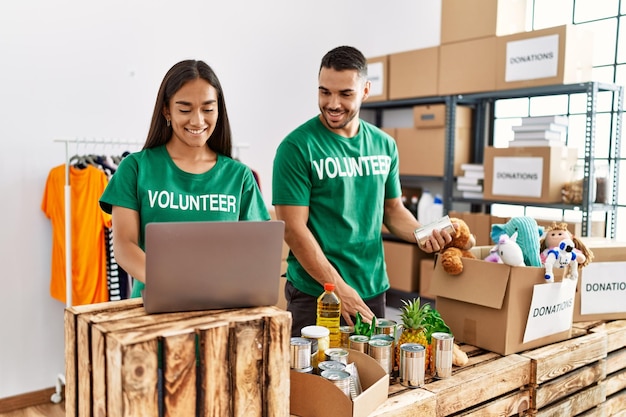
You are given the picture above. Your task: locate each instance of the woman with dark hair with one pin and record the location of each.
(184, 171)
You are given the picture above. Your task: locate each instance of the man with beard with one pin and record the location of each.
(335, 183)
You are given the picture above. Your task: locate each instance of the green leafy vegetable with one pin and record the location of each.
(363, 328)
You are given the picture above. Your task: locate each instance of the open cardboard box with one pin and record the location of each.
(487, 305)
(312, 395)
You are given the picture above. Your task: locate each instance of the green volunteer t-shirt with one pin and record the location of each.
(344, 182)
(150, 183)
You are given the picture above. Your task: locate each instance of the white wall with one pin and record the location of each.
(78, 69)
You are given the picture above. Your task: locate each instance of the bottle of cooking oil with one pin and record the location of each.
(329, 313)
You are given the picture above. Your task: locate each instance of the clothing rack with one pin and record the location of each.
(68, 203)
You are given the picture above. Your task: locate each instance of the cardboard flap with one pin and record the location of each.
(312, 395)
(481, 282)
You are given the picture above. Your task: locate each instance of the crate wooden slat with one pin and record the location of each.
(515, 404)
(576, 404)
(412, 403)
(616, 361)
(179, 373)
(615, 405)
(615, 382)
(214, 396)
(112, 358)
(616, 333)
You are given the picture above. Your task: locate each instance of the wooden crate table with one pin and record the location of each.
(121, 361)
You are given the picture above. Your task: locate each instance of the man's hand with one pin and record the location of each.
(351, 303)
(437, 240)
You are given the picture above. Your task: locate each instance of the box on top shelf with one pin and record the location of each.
(422, 150)
(467, 67)
(413, 73)
(312, 395)
(527, 174)
(378, 75)
(602, 283)
(557, 55)
(470, 19)
(434, 116)
(490, 305)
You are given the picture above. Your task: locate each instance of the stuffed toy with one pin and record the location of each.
(528, 237)
(507, 251)
(561, 249)
(459, 247)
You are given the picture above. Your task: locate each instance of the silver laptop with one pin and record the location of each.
(212, 265)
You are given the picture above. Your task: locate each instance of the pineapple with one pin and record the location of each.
(419, 324)
(414, 328)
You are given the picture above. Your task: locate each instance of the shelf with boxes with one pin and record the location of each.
(551, 172)
(481, 151)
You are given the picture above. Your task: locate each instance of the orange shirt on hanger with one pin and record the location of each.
(89, 276)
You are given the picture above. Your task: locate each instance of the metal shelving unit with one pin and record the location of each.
(483, 104)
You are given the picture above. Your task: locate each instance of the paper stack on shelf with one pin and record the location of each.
(540, 131)
(471, 182)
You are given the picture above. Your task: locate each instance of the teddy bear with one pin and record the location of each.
(459, 247)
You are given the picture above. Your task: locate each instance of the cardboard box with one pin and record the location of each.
(610, 255)
(402, 260)
(433, 116)
(422, 151)
(479, 225)
(557, 55)
(471, 19)
(427, 267)
(312, 395)
(413, 73)
(598, 227)
(527, 175)
(487, 305)
(430, 134)
(378, 75)
(467, 67)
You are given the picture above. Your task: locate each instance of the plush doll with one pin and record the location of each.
(507, 251)
(561, 249)
(528, 237)
(459, 247)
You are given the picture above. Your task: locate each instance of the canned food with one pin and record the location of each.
(382, 351)
(423, 233)
(331, 366)
(442, 345)
(300, 353)
(387, 327)
(337, 354)
(345, 332)
(307, 370)
(412, 363)
(340, 378)
(360, 343)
